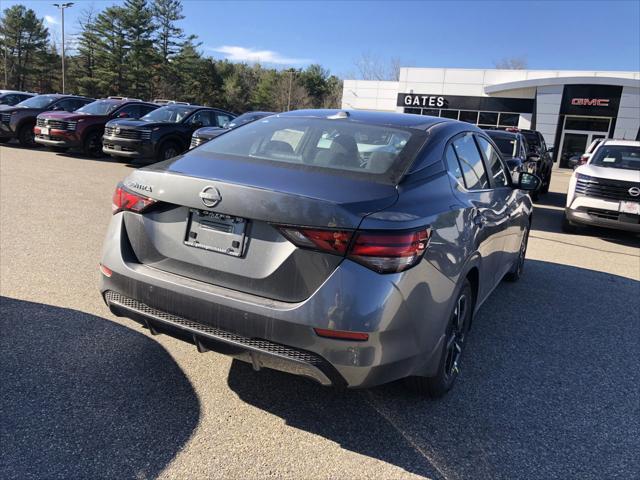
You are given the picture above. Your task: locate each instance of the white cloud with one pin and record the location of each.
(250, 55)
(50, 20)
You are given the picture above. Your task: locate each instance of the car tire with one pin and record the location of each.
(515, 273)
(567, 226)
(456, 335)
(4, 140)
(26, 137)
(58, 149)
(92, 145)
(546, 183)
(168, 150)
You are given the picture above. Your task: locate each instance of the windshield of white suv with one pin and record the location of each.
(169, 114)
(617, 156)
(99, 107)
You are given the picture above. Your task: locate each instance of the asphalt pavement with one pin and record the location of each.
(549, 385)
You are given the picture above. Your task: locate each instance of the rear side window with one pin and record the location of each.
(475, 177)
(494, 165)
(452, 164)
(333, 145)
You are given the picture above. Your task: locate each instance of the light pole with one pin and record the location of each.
(290, 84)
(62, 6)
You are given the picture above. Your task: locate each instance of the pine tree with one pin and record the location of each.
(24, 42)
(83, 66)
(111, 47)
(141, 55)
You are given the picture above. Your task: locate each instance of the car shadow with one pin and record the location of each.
(84, 397)
(548, 389)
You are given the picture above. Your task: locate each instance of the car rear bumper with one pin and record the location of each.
(406, 330)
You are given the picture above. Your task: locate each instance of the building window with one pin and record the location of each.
(449, 114)
(509, 119)
(469, 117)
(412, 110)
(489, 119)
(434, 112)
(594, 124)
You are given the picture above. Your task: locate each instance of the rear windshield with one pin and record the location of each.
(506, 145)
(617, 156)
(331, 145)
(532, 138)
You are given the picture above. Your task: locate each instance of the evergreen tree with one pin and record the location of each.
(24, 41)
(83, 66)
(111, 47)
(141, 55)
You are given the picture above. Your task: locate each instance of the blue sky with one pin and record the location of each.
(580, 35)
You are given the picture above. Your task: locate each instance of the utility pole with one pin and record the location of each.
(290, 82)
(62, 6)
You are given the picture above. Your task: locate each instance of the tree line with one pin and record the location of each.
(138, 49)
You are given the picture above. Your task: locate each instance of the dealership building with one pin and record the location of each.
(570, 108)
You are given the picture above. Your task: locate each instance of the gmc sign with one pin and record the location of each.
(591, 102)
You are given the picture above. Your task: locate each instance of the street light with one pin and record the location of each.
(62, 6)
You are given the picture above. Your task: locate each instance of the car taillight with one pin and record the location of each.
(341, 334)
(124, 200)
(383, 252)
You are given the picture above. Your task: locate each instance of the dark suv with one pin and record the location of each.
(538, 147)
(18, 121)
(84, 128)
(161, 134)
(13, 97)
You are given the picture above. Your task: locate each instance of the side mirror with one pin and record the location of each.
(225, 125)
(528, 181)
(550, 149)
(123, 115)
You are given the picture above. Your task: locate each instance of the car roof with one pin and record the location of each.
(2, 92)
(621, 143)
(503, 134)
(405, 120)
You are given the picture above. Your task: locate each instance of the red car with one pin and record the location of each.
(83, 129)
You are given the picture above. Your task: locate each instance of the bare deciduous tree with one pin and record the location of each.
(372, 67)
(512, 63)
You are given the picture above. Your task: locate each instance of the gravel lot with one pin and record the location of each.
(549, 385)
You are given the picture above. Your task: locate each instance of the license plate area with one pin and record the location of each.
(216, 232)
(44, 130)
(632, 208)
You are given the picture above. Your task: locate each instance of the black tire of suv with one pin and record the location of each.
(437, 386)
(26, 137)
(567, 226)
(4, 140)
(165, 148)
(58, 149)
(89, 146)
(515, 273)
(546, 183)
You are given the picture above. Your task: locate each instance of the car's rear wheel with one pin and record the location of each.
(168, 150)
(26, 137)
(92, 146)
(58, 149)
(4, 140)
(455, 339)
(516, 271)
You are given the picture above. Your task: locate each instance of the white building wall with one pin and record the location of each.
(628, 120)
(369, 95)
(548, 100)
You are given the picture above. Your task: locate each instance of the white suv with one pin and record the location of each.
(606, 190)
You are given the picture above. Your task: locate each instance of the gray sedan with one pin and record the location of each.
(349, 247)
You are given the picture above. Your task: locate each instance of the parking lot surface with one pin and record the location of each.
(549, 385)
